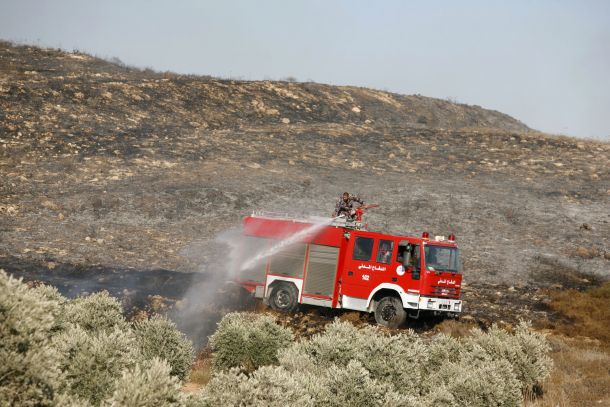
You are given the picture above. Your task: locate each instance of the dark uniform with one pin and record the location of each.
(346, 206)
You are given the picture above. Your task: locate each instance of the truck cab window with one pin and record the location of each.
(384, 251)
(402, 256)
(363, 248)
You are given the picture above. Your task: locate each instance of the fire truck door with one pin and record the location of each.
(409, 266)
(382, 271)
(359, 268)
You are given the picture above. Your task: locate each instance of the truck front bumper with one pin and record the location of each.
(440, 304)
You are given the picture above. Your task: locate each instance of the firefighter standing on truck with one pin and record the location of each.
(345, 205)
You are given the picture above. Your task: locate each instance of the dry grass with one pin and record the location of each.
(586, 313)
(456, 328)
(201, 372)
(580, 377)
(586, 252)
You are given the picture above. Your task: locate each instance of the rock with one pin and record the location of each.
(285, 120)
(49, 205)
(356, 109)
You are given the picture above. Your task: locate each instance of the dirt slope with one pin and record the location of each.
(103, 165)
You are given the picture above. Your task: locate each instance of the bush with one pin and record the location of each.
(49, 293)
(29, 368)
(147, 386)
(267, 386)
(396, 359)
(94, 360)
(95, 312)
(159, 337)
(476, 380)
(526, 351)
(247, 341)
(79, 352)
(346, 365)
(352, 385)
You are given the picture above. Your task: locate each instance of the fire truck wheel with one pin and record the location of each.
(284, 298)
(390, 313)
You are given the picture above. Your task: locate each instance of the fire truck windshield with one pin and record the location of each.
(441, 258)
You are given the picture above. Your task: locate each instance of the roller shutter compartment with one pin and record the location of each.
(289, 262)
(321, 270)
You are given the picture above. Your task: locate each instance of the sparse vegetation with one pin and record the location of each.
(580, 376)
(585, 313)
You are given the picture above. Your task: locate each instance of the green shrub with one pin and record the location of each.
(49, 293)
(247, 341)
(396, 359)
(94, 360)
(271, 386)
(80, 352)
(526, 351)
(352, 385)
(29, 367)
(346, 365)
(147, 386)
(159, 337)
(476, 382)
(95, 312)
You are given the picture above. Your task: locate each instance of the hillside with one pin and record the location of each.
(105, 166)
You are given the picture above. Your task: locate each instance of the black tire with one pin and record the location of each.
(389, 312)
(284, 298)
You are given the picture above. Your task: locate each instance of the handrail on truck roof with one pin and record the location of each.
(337, 222)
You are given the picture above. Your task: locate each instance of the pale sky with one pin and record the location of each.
(545, 62)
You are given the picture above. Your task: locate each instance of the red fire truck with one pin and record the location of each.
(340, 264)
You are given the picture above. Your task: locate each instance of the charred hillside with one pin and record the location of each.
(108, 165)
(110, 98)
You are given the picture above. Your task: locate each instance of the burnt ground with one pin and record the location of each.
(120, 179)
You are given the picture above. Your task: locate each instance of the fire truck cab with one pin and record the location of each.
(339, 264)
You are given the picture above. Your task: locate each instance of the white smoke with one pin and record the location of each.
(223, 260)
(263, 255)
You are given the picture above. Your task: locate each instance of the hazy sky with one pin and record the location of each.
(546, 63)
